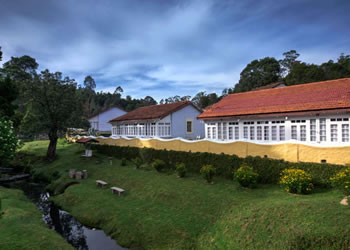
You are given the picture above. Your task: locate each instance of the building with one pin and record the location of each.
(315, 113)
(177, 119)
(100, 122)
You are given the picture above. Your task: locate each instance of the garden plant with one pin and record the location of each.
(296, 181)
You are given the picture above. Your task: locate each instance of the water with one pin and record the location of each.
(78, 235)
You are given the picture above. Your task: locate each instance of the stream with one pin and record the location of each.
(78, 235)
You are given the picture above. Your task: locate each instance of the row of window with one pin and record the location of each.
(142, 129)
(300, 130)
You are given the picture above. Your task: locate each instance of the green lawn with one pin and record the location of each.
(161, 211)
(21, 226)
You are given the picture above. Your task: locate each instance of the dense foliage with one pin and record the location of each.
(268, 169)
(159, 165)
(342, 180)
(246, 176)
(181, 170)
(137, 162)
(208, 172)
(8, 141)
(296, 181)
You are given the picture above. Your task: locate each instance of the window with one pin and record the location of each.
(312, 130)
(303, 132)
(214, 132)
(153, 129)
(252, 133)
(294, 133)
(230, 133)
(189, 127)
(266, 133)
(259, 133)
(245, 132)
(224, 130)
(334, 132)
(345, 133)
(282, 133)
(236, 133)
(208, 132)
(274, 133)
(219, 131)
(323, 129)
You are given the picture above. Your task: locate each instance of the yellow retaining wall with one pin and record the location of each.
(288, 151)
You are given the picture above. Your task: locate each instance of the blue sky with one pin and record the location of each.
(164, 48)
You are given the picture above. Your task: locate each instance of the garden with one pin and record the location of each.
(170, 203)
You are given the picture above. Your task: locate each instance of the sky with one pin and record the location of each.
(164, 48)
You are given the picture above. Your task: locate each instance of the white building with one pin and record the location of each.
(100, 122)
(177, 119)
(313, 113)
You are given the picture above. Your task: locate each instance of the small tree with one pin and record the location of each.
(8, 141)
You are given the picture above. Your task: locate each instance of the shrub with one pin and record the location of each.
(158, 165)
(268, 169)
(8, 141)
(296, 181)
(342, 180)
(181, 169)
(246, 176)
(124, 162)
(208, 171)
(137, 162)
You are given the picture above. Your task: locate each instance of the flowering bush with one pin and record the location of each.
(296, 181)
(342, 180)
(208, 171)
(8, 141)
(246, 176)
(181, 169)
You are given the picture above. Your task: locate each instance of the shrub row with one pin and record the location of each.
(268, 169)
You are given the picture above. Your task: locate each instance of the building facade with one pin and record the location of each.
(165, 120)
(314, 113)
(100, 122)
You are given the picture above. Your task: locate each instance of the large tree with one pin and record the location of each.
(258, 73)
(290, 58)
(8, 94)
(54, 106)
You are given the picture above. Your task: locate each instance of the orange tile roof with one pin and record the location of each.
(325, 95)
(152, 112)
(86, 140)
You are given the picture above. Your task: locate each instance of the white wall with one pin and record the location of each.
(336, 129)
(178, 123)
(103, 118)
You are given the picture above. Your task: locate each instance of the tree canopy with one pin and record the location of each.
(258, 73)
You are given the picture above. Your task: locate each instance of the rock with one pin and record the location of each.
(78, 175)
(72, 173)
(85, 174)
(344, 201)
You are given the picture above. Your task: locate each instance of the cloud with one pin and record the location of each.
(166, 48)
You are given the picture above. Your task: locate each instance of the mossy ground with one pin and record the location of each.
(162, 211)
(21, 226)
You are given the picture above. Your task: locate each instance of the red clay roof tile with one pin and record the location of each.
(325, 95)
(152, 112)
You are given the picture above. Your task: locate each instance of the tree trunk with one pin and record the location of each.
(51, 151)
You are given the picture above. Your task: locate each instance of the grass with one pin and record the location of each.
(21, 226)
(161, 211)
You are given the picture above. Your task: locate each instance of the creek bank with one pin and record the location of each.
(78, 235)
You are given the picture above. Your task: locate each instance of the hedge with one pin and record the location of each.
(268, 169)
